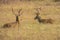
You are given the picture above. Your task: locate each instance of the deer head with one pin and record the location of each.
(17, 15)
(18, 11)
(37, 13)
(37, 10)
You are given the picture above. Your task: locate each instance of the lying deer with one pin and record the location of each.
(40, 20)
(17, 19)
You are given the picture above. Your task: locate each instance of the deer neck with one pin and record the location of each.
(17, 19)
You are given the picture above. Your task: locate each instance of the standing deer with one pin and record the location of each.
(40, 20)
(17, 19)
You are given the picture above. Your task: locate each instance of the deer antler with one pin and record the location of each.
(13, 11)
(37, 9)
(19, 12)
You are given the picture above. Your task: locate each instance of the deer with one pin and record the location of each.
(40, 20)
(8, 25)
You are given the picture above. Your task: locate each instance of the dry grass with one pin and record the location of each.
(29, 28)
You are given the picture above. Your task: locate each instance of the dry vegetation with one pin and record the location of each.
(30, 29)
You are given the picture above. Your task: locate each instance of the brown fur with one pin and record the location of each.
(40, 20)
(47, 21)
(7, 25)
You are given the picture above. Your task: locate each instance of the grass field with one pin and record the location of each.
(30, 29)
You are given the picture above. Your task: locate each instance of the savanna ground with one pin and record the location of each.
(30, 29)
